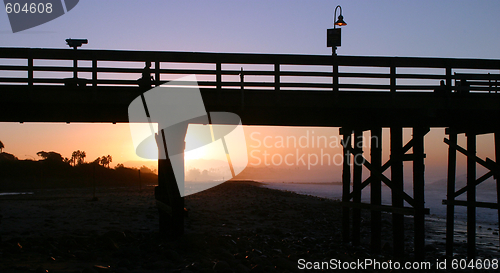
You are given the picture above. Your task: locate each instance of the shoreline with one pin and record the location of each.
(233, 227)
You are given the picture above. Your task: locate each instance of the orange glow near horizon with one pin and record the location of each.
(262, 144)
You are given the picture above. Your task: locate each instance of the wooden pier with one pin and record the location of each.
(45, 85)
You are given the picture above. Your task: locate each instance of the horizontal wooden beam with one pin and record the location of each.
(472, 204)
(243, 58)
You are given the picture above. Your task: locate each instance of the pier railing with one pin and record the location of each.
(32, 66)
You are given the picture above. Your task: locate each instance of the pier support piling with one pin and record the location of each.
(168, 198)
(397, 190)
(450, 196)
(471, 196)
(346, 181)
(399, 196)
(376, 189)
(419, 191)
(356, 185)
(470, 188)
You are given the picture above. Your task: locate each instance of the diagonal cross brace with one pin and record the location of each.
(382, 177)
(488, 164)
(478, 181)
(384, 167)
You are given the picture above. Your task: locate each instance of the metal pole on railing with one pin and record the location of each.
(30, 71)
(277, 79)
(333, 40)
(75, 65)
(94, 72)
(75, 44)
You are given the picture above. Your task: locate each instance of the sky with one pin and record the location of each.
(455, 29)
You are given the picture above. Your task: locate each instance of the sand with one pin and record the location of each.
(234, 227)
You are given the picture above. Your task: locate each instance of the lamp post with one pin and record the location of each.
(333, 36)
(76, 43)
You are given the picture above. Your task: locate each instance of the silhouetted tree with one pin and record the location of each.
(145, 169)
(109, 159)
(97, 161)
(105, 160)
(78, 157)
(81, 159)
(50, 156)
(7, 156)
(1, 147)
(74, 156)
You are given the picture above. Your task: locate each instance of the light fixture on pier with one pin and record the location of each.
(333, 35)
(340, 22)
(75, 43)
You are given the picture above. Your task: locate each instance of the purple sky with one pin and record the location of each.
(375, 28)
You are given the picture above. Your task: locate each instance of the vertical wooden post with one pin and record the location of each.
(376, 189)
(397, 190)
(335, 79)
(170, 203)
(218, 80)
(30, 71)
(277, 81)
(450, 204)
(94, 72)
(497, 160)
(490, 90)
(418, 192)
(157, 73)
(75, 64)
(356, 184)
(161, 190)
(393, 78)
(471, 196)
(448, 79)
(242, 89)
(346, 181)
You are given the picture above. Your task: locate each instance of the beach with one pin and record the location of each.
(233, 227)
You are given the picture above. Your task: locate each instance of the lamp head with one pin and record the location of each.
(340, 22)
(74, 43)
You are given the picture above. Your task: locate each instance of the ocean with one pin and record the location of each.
(487, 229)
(433, 198)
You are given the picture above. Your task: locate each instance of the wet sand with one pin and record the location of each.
(234, 227)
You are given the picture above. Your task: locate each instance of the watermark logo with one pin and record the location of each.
(306, 150)
(159, 119)
(26, 14)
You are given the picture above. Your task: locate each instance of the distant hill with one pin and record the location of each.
(460, 182)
